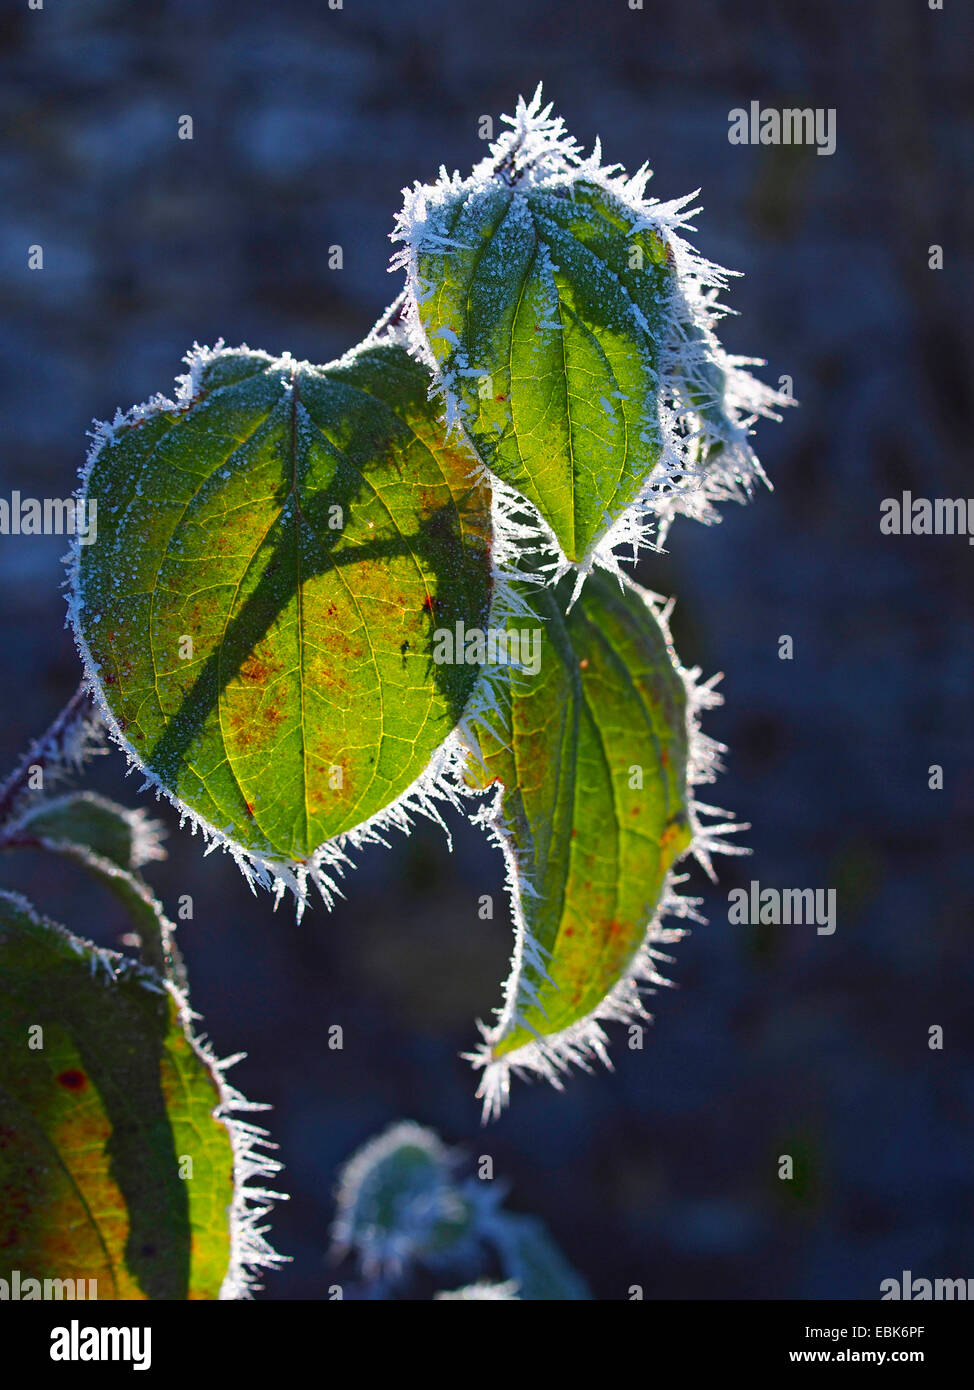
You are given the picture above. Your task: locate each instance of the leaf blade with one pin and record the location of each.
(593, 808)
(307, 528)
(100, 1119)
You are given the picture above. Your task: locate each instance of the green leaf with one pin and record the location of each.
(572, 332)
(116, 1161)
(111, 843)
(592, 763)
(274, 553)
(545, 314)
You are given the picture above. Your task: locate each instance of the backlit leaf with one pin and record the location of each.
(274, 553)
(591, 762)
(117, 1163)
(571, 330)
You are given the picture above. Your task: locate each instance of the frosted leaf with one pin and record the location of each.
(609, 404)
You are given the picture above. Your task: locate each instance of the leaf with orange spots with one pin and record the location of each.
(275, 550)
(591, 764)
(118, 1162)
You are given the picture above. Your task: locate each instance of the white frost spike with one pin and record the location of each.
(707, 401)
(586, 1041)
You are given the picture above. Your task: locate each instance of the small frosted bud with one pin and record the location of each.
(397, 1201)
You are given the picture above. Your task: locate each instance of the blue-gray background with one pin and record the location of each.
(308, 122)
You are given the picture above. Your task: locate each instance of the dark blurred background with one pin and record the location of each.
(307, 123)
